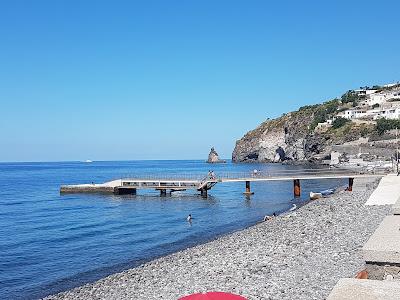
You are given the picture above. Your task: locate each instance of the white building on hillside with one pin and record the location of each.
(376, 104)
(323, 127)
(391, 113)
(381, 97)
(353, 113)
(365, 92)
(390, 84)
(388, 112)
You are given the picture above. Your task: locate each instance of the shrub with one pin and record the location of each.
(383, 125)
(319, 117)
(339, 122)
(350, 96)
(331, 106)
(307, 107)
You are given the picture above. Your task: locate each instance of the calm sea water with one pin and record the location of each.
(51, 242)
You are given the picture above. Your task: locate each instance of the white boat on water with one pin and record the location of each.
(88, 161)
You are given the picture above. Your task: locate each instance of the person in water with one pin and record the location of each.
(189, 218)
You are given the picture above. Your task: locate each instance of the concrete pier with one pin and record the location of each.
(203, 185)
(124, 191)
(86, 188)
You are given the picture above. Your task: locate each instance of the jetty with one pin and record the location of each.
(130, 184)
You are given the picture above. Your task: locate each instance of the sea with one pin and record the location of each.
(51, 242)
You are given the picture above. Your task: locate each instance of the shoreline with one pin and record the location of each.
(258, 262)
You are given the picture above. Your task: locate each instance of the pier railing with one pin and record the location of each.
(200, 177)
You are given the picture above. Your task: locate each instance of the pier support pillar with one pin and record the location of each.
(248, 190)
(350, 187)
(296, 188)
(163, 192)
(203, 193)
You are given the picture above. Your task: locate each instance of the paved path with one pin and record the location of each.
(387, 192)
(360, 289)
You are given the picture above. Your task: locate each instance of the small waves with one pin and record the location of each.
(50, 242)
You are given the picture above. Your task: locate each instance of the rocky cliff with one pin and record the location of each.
(291, 137)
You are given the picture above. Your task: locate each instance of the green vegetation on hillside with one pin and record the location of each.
(351, 97)
(383, 125)
(307, 117)
(339, 122)
(321, 112)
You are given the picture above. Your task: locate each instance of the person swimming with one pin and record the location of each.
(189, 218)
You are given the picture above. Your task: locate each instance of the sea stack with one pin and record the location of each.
(213, 157)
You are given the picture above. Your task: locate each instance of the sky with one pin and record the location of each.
(130, 80)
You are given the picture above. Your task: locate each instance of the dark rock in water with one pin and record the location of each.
(213, 157)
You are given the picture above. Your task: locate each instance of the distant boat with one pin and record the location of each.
(88, 161)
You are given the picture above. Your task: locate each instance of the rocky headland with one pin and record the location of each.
(309, 134)
(292, 138)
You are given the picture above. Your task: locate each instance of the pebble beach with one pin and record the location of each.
(297, 255)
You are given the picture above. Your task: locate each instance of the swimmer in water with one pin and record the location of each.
(189, 218)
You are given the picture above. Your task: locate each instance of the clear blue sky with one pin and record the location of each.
(116, 80)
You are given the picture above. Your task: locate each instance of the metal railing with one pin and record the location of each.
(201, 178)
(164, 176)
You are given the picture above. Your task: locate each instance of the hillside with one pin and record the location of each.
(309, 133)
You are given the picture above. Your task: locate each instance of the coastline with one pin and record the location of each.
(298, 255)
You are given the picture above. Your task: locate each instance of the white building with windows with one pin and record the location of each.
(353, 113)
(376, 104)
(392, 113)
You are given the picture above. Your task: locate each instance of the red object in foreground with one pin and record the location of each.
(213, 296)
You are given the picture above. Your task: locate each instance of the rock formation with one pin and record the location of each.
(289, 138)
(213, 157)
(274, 141)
